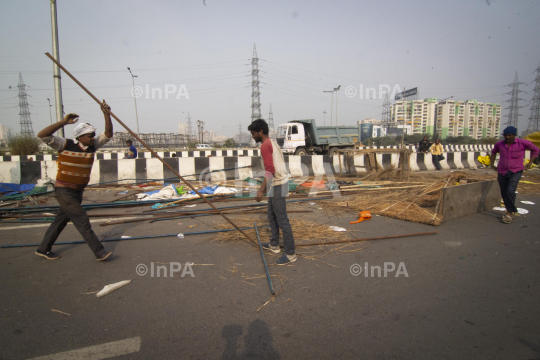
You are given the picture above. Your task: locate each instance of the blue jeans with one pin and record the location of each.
(508, 184)
(436, 159)
(277, 215)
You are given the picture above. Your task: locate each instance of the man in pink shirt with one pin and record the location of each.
(510, 167)
(276, 180)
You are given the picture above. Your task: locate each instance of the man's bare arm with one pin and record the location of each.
(108, 122)
(51, 129)
(261, 191)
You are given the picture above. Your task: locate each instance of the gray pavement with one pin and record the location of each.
(472, 292)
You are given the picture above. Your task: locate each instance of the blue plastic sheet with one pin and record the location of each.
(207, 190)
(10, 189)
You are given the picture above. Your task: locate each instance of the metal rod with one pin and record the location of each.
(366, 239)
(172, 216)
(221, 208)
(235, 206)
(150, 149)
(131, 238)
(228, 212)
(264, 260)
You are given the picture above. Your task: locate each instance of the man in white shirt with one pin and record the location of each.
(75, 160)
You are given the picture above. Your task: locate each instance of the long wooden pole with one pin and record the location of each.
(151, 150)
(365, 239)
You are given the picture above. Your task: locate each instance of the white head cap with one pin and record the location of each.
(83, 128)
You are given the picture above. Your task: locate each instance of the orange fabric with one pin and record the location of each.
(314, 184)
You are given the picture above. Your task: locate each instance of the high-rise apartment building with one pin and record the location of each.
(418, 114)
(468, 118)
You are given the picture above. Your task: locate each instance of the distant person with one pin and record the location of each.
(132, 152)
(276, 178)
(75, 160)
(424, 145)
(510, 168)
(437, 153)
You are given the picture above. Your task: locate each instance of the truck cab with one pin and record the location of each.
(290, 136)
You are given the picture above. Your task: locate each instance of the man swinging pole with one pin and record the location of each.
(75, 160)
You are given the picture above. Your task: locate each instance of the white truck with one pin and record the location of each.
(304, 137)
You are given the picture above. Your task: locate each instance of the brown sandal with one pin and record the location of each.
(506, 219)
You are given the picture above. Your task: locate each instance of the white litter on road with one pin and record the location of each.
(110, 288)
(527, 202)
(497, 208)
(337, 228)
(522, 211)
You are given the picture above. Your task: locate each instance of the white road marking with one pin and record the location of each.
(69, 223)
(102, 351)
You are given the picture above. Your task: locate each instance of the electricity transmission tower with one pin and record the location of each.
(534, 119)
(255, 93)
(271, 123)
(24, 112)
(513, 112)
(240, 135)
(386, 114)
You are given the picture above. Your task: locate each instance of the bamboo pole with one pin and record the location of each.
(366, 239)
(150, 149)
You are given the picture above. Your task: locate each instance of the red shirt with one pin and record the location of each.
(266, 152)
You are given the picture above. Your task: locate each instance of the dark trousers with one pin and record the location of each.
(436, 159)
(70, 210)
(508, 184)
(424, 147)
(277, 215)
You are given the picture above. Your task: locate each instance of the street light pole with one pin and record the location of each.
(135, 99)
(336, 90)
(56, 68)
(50, 114)
(331, 105)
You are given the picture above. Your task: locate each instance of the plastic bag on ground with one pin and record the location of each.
(167, 193)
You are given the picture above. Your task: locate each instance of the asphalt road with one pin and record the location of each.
(472, 292)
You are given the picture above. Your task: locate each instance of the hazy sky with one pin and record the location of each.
(466, 49)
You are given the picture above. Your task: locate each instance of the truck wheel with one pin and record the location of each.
(333, 151)
(301, 152)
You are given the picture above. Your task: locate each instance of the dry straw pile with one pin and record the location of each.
(304, 231)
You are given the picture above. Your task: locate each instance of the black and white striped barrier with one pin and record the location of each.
(141, 155)
(28, 172)
(220, 153)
